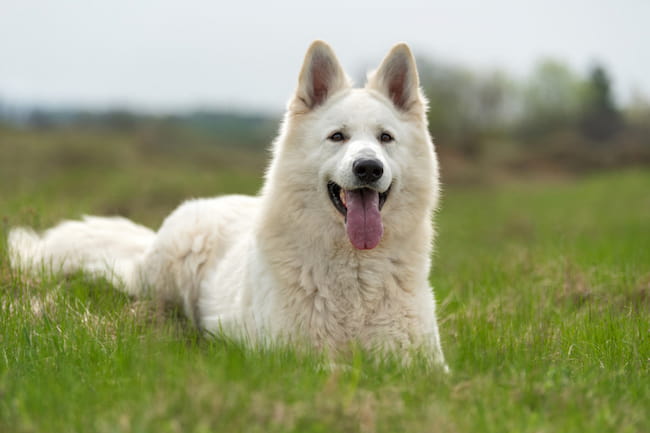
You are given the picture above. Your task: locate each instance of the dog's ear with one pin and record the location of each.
(397, 78)
(320, 77)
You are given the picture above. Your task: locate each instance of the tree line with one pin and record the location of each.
(554, 114)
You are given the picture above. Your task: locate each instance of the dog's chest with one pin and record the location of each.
(362, 305)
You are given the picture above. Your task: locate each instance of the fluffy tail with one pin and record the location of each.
(110, 247)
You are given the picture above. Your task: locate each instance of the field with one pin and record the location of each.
(543, 291)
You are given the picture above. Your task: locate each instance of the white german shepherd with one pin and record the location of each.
(335, 249)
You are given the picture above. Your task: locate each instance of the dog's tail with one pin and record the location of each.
(113, 248)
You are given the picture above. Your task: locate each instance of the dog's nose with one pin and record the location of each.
(368, 170)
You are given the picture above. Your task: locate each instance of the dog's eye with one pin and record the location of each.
(337, 137)
(385, 137)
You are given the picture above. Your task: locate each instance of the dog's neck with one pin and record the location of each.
(331, 291)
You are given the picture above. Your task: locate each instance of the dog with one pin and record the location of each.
(334, 251)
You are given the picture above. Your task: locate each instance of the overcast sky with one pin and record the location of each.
(166, 55)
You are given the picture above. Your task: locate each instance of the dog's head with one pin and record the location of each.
(365, 154)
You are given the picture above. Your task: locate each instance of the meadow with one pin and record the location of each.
(543, 289)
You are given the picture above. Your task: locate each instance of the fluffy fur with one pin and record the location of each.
(281, 266)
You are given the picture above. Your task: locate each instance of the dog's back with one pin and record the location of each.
(132, 256)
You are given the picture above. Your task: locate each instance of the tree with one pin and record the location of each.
(601, 119)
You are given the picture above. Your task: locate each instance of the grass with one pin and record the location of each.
(543, 289)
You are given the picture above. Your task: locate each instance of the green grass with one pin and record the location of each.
(544, 307)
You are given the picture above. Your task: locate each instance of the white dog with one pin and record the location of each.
(335, 249)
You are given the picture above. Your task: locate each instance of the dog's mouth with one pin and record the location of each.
(361, 209)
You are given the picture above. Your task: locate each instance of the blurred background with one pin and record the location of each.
(129, 107)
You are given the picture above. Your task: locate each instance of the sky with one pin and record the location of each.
(173, 55)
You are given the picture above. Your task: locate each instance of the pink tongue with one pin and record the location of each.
(363, 218)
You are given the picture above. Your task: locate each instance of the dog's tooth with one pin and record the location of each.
(342, 195)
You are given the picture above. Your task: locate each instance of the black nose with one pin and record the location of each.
(368, 170)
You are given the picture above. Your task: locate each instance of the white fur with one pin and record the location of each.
(280, 267)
